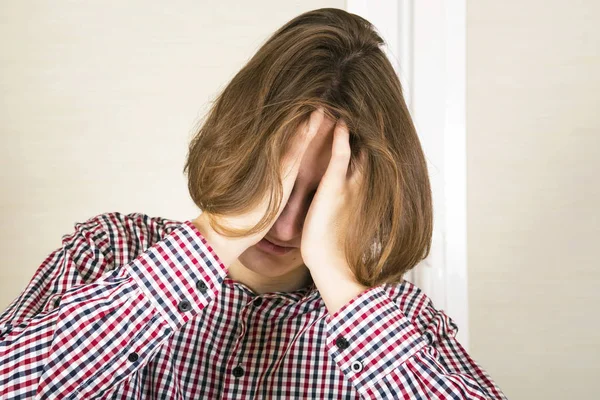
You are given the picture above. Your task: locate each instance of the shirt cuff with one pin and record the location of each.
(370, 336)
(180, 274)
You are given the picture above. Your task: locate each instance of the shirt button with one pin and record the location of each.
(342, 343)
(133, 357)
(201, 286)
(184, 306)
(238, 371)
(356, 366)
(258, 302)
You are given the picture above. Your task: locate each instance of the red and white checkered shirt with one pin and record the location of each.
(134, 307)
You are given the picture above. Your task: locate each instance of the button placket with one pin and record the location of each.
(248, 312)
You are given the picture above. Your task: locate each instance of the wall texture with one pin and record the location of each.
(98, 103)
(533, 96)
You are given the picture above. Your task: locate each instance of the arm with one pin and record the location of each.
(385, 356)
(374, 344)
(106, 329)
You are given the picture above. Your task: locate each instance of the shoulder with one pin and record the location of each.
(419, 308)
(116, 237)
(133, 226)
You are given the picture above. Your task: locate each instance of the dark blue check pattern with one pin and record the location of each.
(139, 307)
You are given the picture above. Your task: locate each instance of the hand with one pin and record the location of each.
(326, 222)
(227, 248)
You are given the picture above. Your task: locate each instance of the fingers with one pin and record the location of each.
(309, 131)
(357, 176)
(316, 118)
(336, 173)
(302, 141)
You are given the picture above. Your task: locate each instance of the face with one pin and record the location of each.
(287, 230)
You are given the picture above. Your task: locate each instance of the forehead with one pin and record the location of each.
(317, 155)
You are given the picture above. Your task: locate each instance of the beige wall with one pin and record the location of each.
(98, 102)
(533, 126)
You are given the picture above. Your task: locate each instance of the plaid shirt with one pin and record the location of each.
(134, 307)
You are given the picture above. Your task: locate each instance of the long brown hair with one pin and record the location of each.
(331, 58)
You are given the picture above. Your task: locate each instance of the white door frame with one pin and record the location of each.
(426, 43)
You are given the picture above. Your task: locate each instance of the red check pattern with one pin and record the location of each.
(139, 307)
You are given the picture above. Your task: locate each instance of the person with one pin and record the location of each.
(314, 200)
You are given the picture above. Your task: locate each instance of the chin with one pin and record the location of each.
(270, 265)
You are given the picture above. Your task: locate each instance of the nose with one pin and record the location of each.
(288, 227)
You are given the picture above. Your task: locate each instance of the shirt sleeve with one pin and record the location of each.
(65, 337)
(382, 353)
